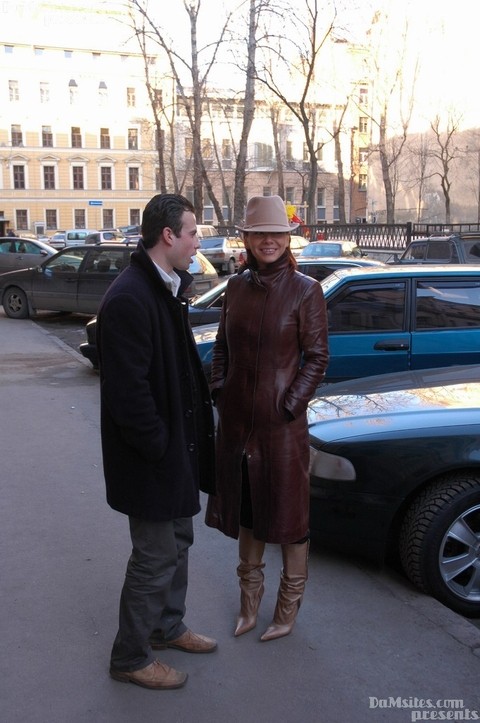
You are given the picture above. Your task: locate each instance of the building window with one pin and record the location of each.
(104, 138)
(38, 51)
(19, 177)
(290, 195)
(8, 49)
(227, 153)
(106, 178)
(49, 178)
(363, 124)
(363, 96)
(267, 191)
(321, 214)
(67, 54)
(363, 155)
(79, 217)
(188, 148)
(158, 98)
(133, 178)
(263, 155)
(131, 98)
(21, 220)
(51, 219)
(47, 137)
(73, 91)
(13, 90)
(96, 56)
(102, 93)
(17, 136)
(44, 92)
(108, 218)
(362, 182)
(76, 137)
(135, 216)
(319, 152)
(207, 152)
(133, 139)
(77, 176)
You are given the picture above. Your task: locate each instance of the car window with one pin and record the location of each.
(472, 251)
(104, 260)
(318, 271)
(441, 250)
(66, 263)
(447, 304)
(379, 307)
(416, 251)
(211, 243)
(28, 247)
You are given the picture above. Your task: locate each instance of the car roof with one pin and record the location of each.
(394, 271)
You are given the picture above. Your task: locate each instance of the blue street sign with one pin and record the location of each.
(95, 203)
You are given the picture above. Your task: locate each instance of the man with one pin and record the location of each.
(157, 439)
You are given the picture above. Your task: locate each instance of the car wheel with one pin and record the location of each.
(231, 266)
(15, 303)
(439, 543)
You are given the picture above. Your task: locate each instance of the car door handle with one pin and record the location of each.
(392, 346)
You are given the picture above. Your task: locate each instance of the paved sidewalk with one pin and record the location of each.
(367, 647)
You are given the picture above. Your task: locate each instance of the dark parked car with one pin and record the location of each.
(392, 318)
(21, 253)
(395, 471)
(462, 248)
(76, 278)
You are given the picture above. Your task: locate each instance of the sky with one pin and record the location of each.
(442, 37)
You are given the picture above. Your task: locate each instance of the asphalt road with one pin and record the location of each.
(69, 328)
(366, 647)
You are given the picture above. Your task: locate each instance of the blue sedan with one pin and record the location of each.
(394, 318)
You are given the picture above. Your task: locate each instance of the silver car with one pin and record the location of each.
(22, 253)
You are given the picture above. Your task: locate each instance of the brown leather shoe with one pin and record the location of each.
(189, 642)
(157, 676)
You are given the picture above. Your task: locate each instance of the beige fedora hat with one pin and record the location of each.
(267, 213)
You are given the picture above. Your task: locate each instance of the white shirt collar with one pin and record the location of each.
(171, 280)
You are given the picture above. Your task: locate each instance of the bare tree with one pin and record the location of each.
(445, 154)
(395, 93)
(297, 58)
(192, 101)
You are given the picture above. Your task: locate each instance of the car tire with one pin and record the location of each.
(15, 303)
(439, 542)
(231, 266)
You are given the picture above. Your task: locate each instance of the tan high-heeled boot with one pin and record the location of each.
(250, 573)
(290, 593)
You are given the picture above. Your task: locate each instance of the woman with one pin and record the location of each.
(270, 355)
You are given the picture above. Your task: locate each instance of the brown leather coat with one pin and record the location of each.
(270, 355)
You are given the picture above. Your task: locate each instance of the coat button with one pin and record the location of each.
(188, 413)
(191, 447)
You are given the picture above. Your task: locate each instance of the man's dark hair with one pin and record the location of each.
(162, 211)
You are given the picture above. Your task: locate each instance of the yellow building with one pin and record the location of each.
(76, 145)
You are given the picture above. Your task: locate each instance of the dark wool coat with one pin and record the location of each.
(156, 416)
(270, 355)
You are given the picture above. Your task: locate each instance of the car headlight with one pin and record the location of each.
(329, 466)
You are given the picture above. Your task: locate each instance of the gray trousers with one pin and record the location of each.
(152, 603)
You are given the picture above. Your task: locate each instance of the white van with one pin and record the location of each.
(72, 237)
